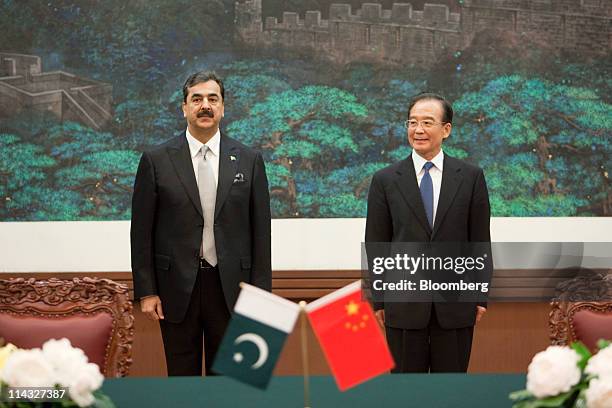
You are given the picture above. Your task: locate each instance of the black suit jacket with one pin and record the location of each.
(396, 214)
(167, 224)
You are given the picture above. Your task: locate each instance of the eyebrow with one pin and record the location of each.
(209, 95)
(423, 117)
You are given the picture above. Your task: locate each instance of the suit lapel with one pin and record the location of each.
(180, 157)
(229, 156)
(409, 188)
(451, 180)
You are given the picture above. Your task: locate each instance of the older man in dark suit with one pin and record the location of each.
(429, 197)
(200, 226)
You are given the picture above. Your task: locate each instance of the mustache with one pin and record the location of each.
(206, 113)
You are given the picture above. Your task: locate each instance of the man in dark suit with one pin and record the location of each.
(429, 196)
(200, 226)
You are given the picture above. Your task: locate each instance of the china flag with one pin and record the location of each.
(350, 336)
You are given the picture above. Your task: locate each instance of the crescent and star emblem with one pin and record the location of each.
(258, 341)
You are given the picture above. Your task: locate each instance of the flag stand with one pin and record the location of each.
(305, 355)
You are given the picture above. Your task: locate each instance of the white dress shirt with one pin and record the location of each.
(195, 146)
(435, 172)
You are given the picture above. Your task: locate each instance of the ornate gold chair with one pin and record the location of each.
(582, 311)
(94, 314)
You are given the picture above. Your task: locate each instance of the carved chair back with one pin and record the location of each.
(582, 310)
(94, 314)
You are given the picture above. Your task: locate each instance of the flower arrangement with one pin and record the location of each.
(567, 377)
(55, 366)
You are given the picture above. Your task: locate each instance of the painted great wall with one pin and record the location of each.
(403, 35)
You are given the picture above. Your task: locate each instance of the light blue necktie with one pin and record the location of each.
(427, 195)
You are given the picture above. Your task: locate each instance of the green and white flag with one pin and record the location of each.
(255, 336)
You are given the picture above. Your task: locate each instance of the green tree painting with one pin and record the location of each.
(537, 120)
(305, 133)
(545, 147)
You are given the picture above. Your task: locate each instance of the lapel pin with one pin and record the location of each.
(232, 158)
(239, 178)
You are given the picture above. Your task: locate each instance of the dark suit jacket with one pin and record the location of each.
(167, 224)
(396, 214)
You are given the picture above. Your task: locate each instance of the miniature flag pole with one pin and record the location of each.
(304, 342)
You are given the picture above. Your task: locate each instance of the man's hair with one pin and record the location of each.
(199, 77)
(446, 106)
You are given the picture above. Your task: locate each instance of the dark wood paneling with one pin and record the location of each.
(505, 340)
(508, 336)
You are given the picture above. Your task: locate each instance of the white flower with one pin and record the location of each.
(85, 381)
(27, 368)
(553, 371)
(73, 371)
(601, 363)
(65, 359)
(57, 363)
(5, 352)
(599, 393)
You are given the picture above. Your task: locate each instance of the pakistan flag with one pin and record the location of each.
(255, 336)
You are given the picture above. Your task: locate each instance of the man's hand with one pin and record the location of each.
(380, 316)
(480, 311)
(152, 307)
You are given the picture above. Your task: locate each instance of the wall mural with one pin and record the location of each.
(320, 88)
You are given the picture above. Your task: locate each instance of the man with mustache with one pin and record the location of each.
(429, 197)
(200, 226)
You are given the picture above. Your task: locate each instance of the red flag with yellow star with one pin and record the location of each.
(350, 336)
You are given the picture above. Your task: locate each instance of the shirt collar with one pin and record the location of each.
(195, 145)
(419, 161)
